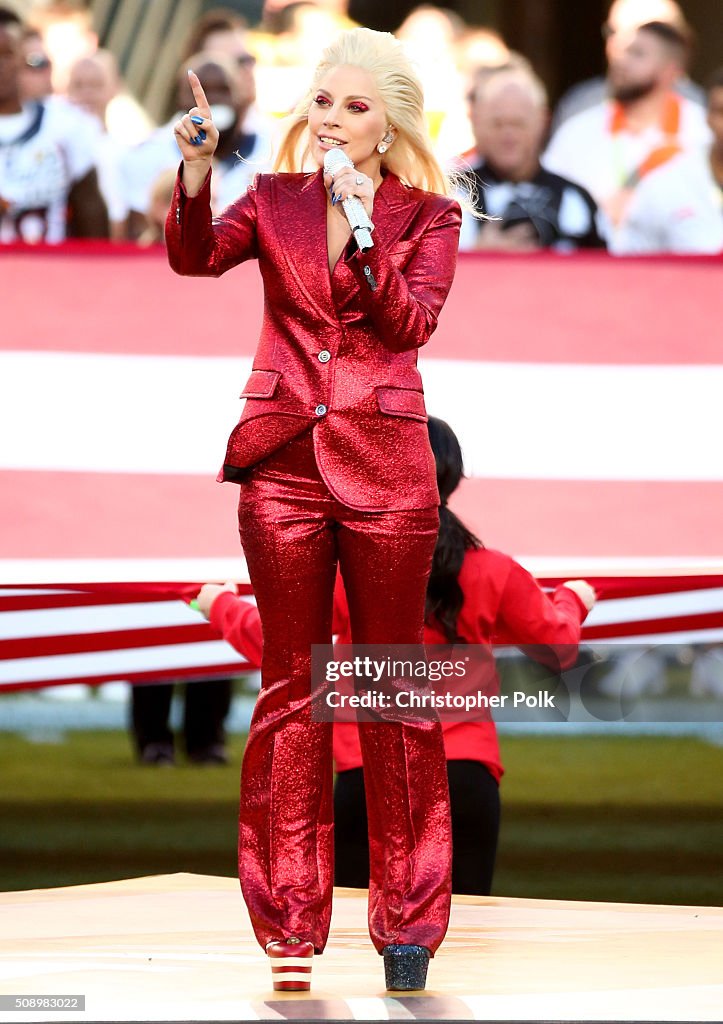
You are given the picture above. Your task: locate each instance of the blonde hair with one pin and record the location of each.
(410, 157)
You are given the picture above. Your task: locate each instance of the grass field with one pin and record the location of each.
(624, 819)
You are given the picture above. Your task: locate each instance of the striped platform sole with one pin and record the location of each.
(290, 965)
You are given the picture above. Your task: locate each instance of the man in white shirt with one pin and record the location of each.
(48, 181)
(676, 208)
(612, 147)
(624, 19)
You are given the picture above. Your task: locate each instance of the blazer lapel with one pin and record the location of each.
(300, 217)
(393, 211)
(299, 212)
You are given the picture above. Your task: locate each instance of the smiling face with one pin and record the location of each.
(347, 113)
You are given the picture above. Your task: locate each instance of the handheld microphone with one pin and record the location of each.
(356, 215)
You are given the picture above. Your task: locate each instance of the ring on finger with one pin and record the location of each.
(359, 179)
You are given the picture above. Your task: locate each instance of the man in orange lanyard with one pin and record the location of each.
(623, 20)
(612, 147)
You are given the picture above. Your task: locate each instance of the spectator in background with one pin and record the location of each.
(48, 181)
(206, 704)
(612, 148)
(243, 148)
(678, 207)
(715, 123)
(222, 31)
(92, 84)
(220, 28)
(532, 207)
(36, 72)
(476, 51)
(624, 19)
(66, 29)
(430, 36)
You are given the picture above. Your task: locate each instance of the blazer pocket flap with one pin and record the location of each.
(261, 384)
(402, 402)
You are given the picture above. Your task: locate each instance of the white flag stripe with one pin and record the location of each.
(631, 567)
(145, 414)
(688, 636)
(18, 625)
(122, 570)
(559, 422)
(31, 591)
(654, 606)
(171, 657)
(117, 414)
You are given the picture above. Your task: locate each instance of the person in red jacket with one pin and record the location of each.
(475, 595)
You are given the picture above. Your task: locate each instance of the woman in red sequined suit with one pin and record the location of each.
(335, 465)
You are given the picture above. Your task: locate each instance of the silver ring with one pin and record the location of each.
(359, 179)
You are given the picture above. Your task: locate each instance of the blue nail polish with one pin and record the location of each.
(196, 119)
(334, 199)
(197, 141)
(202, 135)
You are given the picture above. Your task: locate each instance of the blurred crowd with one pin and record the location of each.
(632, 162)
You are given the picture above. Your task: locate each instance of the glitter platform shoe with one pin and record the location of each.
(405, 967)
(290, 964)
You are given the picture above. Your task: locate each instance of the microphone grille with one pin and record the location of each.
(334, 159)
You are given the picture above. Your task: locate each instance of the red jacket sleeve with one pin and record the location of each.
(200, 245)
(527, 616)
(404, 306)
(239, 623)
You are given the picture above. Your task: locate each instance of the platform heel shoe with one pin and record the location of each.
(290, 964)
(405, 967)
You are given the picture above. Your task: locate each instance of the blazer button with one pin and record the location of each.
(324, 356)
(320, 410)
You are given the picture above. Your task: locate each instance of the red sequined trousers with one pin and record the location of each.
(293, 531)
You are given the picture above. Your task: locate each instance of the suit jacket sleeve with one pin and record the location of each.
(200, 245)
(527, 616)
(404, 307)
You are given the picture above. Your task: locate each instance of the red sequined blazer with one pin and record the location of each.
(336, 350)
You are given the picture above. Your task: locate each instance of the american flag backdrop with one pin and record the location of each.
(586, 392)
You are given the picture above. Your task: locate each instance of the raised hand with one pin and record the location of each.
(195, 132)
(584, 591)
(208, 594)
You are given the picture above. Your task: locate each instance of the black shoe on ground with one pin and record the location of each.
(209, 755)
(160, 754)
(405, 967)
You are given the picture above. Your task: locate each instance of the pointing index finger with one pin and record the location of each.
(198, 94)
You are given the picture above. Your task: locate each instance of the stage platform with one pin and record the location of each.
(180, 947)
